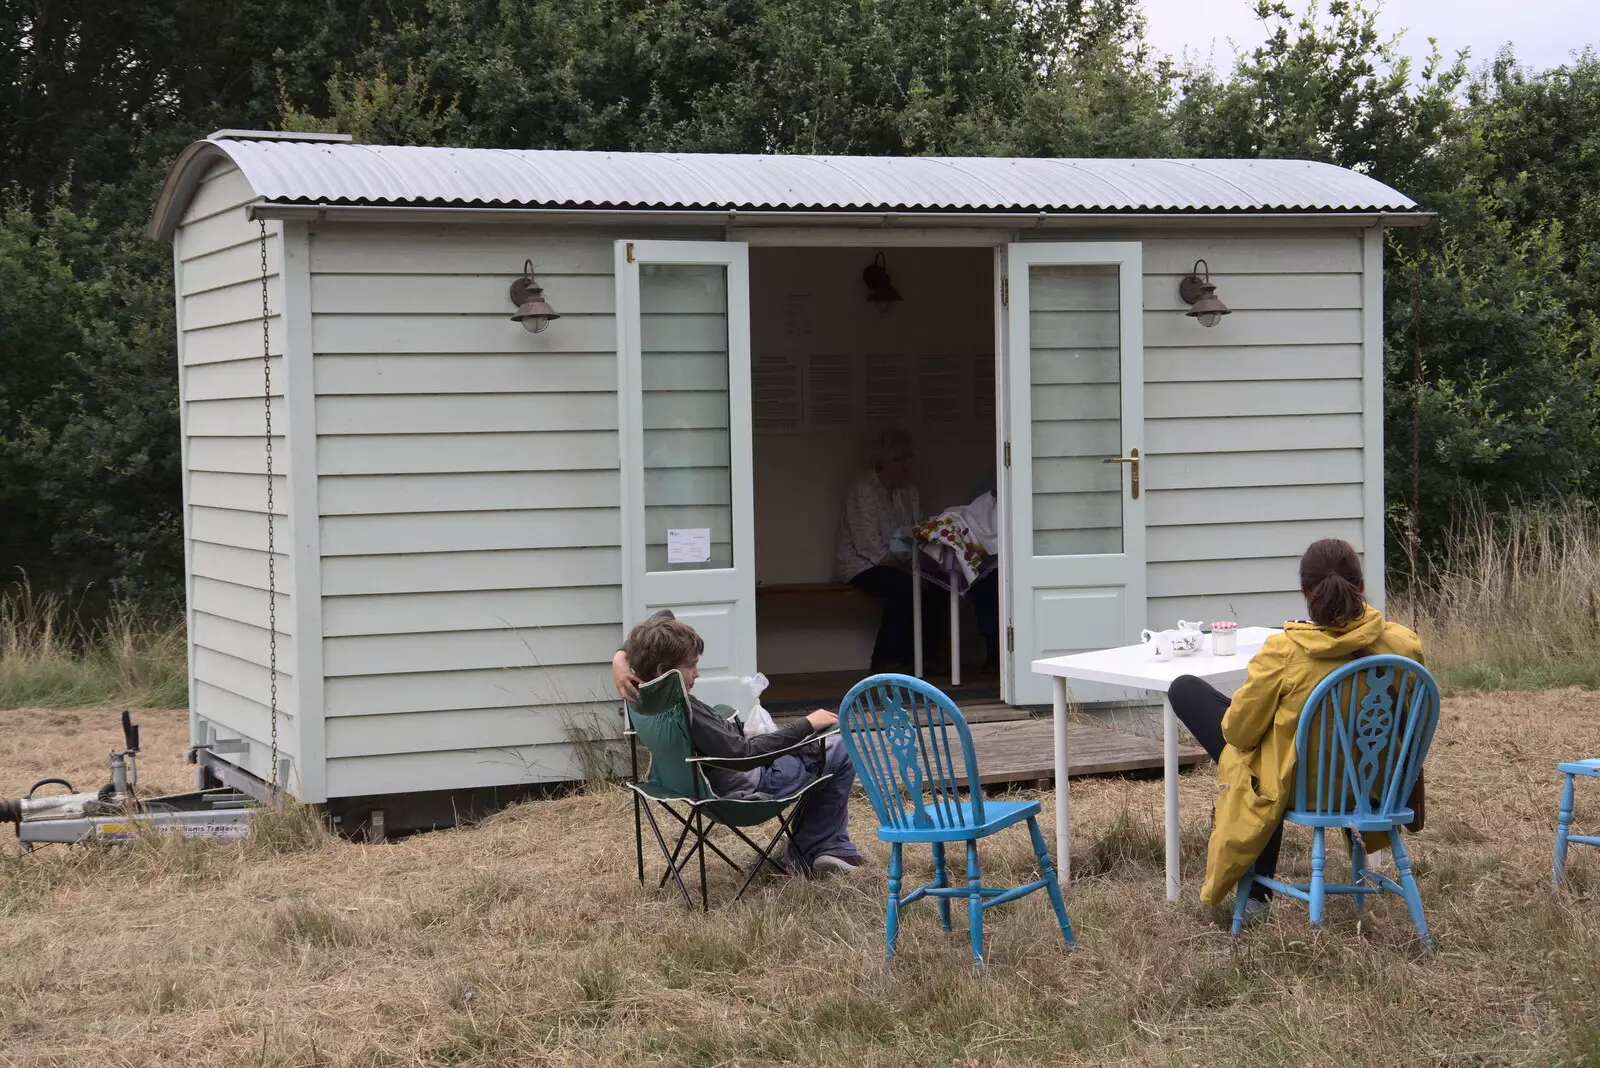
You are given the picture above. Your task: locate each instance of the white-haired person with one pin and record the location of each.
(872, 549)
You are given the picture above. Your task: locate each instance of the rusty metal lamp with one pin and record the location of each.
(1201, 296)
(532, 310)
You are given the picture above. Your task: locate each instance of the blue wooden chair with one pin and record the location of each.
(897, 730)
(1363, 736)
(1564, 835)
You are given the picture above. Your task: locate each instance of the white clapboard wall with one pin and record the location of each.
(468, 485)
(217, 256)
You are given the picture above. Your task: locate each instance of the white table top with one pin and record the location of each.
(1131, 665)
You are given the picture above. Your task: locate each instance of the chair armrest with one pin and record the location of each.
(746, 763)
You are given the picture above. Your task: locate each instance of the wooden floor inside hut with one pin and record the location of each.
(1014, 745)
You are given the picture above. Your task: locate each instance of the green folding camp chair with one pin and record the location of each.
(660, 719)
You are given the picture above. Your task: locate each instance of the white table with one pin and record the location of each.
(1131, 666)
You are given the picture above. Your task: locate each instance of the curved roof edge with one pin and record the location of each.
(178, 189)
(304, 169)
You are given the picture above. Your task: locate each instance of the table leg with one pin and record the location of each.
(1058, 703)
(916, 611)
(955, 633)
(1169, 766)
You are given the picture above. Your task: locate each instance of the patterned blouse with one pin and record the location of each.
(873, 514)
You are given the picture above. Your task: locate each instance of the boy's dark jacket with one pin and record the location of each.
(713, 734)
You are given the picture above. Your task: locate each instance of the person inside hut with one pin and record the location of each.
(820, 841)
(873, 547)
(1252, 736)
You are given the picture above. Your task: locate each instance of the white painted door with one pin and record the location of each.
(688, 544)
(1075, 373)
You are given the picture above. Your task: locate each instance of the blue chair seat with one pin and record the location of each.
(1355, 823)
(994, 816)
(1590, 768)
(913, 752)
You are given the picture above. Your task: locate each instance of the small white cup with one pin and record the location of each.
(1196, 626)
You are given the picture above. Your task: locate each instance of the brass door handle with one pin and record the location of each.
(1131, 458)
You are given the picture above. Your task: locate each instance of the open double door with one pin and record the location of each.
(1069, 444)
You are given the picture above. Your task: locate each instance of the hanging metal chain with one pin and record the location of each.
(1416, 415)
(272, 547)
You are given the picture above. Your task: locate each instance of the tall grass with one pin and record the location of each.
(1512, 601)
(52, 657)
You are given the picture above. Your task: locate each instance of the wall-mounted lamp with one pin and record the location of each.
(880, 290)
(532, 311)
(1198, 292)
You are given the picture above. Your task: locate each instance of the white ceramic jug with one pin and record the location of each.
(1159, 642)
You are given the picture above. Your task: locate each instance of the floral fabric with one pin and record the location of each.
(962, 541)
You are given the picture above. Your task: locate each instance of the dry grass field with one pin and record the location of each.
(526, 941)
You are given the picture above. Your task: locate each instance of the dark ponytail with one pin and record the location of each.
(1330, 575)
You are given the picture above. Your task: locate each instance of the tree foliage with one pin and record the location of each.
(1493, 343)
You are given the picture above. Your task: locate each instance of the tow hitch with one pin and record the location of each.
(115, 812)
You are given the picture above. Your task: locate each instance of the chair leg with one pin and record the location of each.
(670, 858)
(1358, 869)
(891, 920)
(1408, 886)
(941, 877)
(700, 830)
(1319, 864)
(1563, 828)
(1241, 897)
(975, 904)
(764, 856)
(1052, 885)
(788, 829)
(638, 838)
(677, 849)
(709, 844)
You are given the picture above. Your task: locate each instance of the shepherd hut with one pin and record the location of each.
(511, 402)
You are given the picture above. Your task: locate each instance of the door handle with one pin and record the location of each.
(1131, 458)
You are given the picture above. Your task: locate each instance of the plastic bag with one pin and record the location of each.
(757, 720)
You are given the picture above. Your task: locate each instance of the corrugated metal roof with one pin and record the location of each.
(321, 172)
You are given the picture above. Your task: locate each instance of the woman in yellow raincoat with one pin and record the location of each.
(1251, 737)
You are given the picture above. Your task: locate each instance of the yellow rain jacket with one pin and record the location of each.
(1256, 772)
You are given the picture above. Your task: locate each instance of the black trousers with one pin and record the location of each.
(893, 647)
(985, 598)
(1199, 706)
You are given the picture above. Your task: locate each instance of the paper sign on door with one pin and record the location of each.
(690, 545)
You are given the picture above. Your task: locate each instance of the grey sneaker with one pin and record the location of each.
(1256, 910)
(831, 865)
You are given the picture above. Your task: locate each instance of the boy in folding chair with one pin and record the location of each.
(821, 839)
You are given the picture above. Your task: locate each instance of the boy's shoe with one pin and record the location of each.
(1256, 910)
(831, 865)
